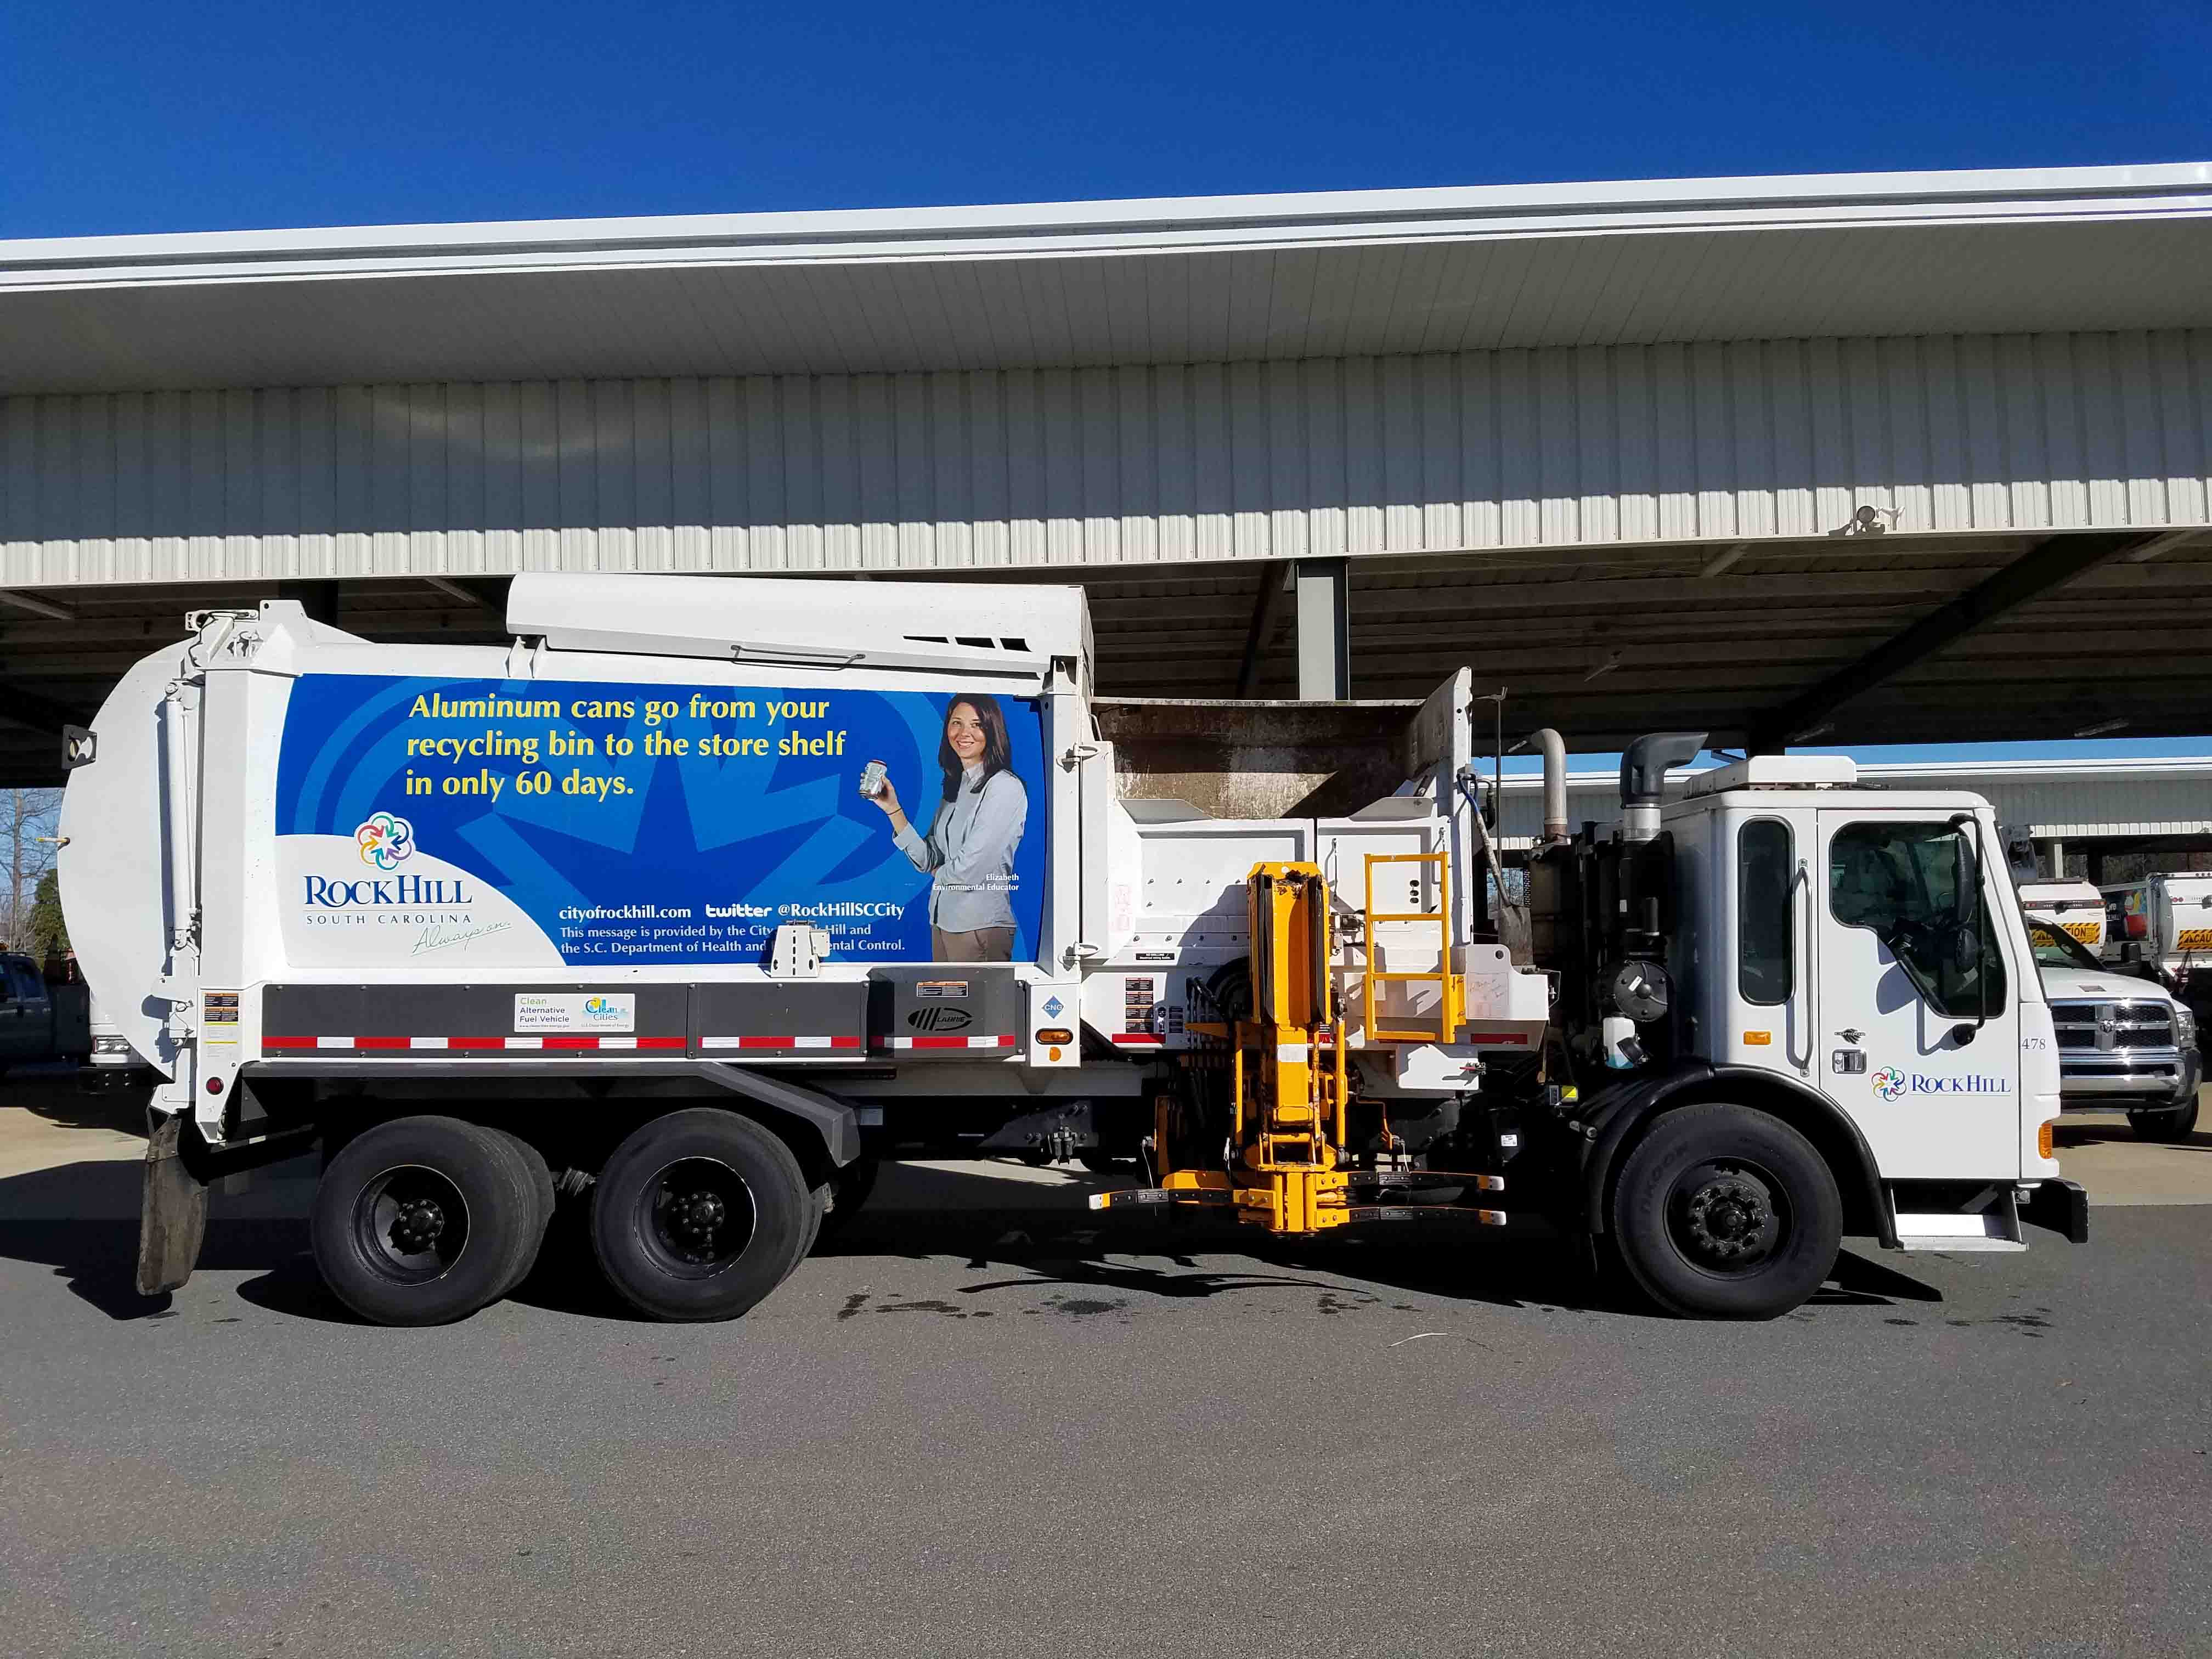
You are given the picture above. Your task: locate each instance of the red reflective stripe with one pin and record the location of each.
(768, 1042)
(844, 1042)
(287, 1043)
(380, 1041)
(939, 1041)
(476, 1042)
(662, 1041)
(569, 1042)
(1135, 1038)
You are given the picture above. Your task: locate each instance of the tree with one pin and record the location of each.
(49, 933)
(27, 820)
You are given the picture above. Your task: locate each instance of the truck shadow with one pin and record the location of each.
(1053, 1239)
(81, 1220)
(2065, 1134)
(51, 1093)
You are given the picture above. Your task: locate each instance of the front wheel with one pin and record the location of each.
(700, 1214)
(2168, 1123)
(1725, 1212)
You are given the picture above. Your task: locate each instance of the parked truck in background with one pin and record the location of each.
(2125, 1043)
(2076, 908)
(2162, 924)
(703, 892)
(40, 1021)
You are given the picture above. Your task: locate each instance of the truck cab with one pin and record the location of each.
(1798, 1008)
(1863, 946)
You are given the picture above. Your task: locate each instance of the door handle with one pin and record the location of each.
(1802, 999)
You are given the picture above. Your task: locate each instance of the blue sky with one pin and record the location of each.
(131, 116)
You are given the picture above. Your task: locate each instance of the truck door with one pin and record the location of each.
(1918, 1032)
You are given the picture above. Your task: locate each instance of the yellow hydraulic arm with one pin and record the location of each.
(1289, 1168)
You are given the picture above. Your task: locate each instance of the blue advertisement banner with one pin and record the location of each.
(601, 824)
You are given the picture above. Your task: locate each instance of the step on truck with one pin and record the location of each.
(701, 895)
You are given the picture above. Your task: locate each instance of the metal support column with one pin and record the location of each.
(1324, 630)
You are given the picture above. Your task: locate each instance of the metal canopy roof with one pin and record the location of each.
(1603, 643)
(1209, 279)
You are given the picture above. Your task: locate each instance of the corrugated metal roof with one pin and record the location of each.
(1573, 451)
(1216, 279)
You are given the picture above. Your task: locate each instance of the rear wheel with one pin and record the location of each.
(541, 1188)
(1726, 1212)
(423, 1220)
(2170, 1123)
(700, 1214)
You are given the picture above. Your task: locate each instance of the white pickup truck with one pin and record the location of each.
(2124, 1044)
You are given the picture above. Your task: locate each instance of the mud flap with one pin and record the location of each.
(2061, 1206)
(173, 1212)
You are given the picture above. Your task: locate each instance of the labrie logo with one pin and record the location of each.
(937, 1018)
(384, 839)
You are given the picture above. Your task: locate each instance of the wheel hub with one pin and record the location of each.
(697, 1216)
(1729, 1219)
(418, 1225)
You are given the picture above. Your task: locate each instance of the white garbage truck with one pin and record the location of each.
(702, 893)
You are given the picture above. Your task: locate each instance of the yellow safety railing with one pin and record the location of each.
(1446, 982)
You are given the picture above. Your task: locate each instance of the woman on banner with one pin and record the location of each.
(969, 846)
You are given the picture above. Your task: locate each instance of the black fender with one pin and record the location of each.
(1611, 1119)
(813, 1112)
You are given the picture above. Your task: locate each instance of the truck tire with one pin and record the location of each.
(1722, 1211)
(700, 1214)
(423, 1220)
(2168, 1123)
(541, 1186)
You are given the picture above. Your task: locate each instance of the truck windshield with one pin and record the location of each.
(2056, 948)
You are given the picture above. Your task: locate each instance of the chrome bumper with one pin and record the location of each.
(2164, 1076)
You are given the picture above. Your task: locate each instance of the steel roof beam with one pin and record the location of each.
(1267, 620)
(2050, 565)
(32, 712)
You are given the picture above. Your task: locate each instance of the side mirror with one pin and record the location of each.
(1963, 1034)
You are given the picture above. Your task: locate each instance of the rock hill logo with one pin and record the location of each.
(384, 839)
(1892, 1082)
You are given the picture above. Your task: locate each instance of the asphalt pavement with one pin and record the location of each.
(981, 1424)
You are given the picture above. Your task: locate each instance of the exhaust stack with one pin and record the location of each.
(1555, 784)
(1643, 768)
